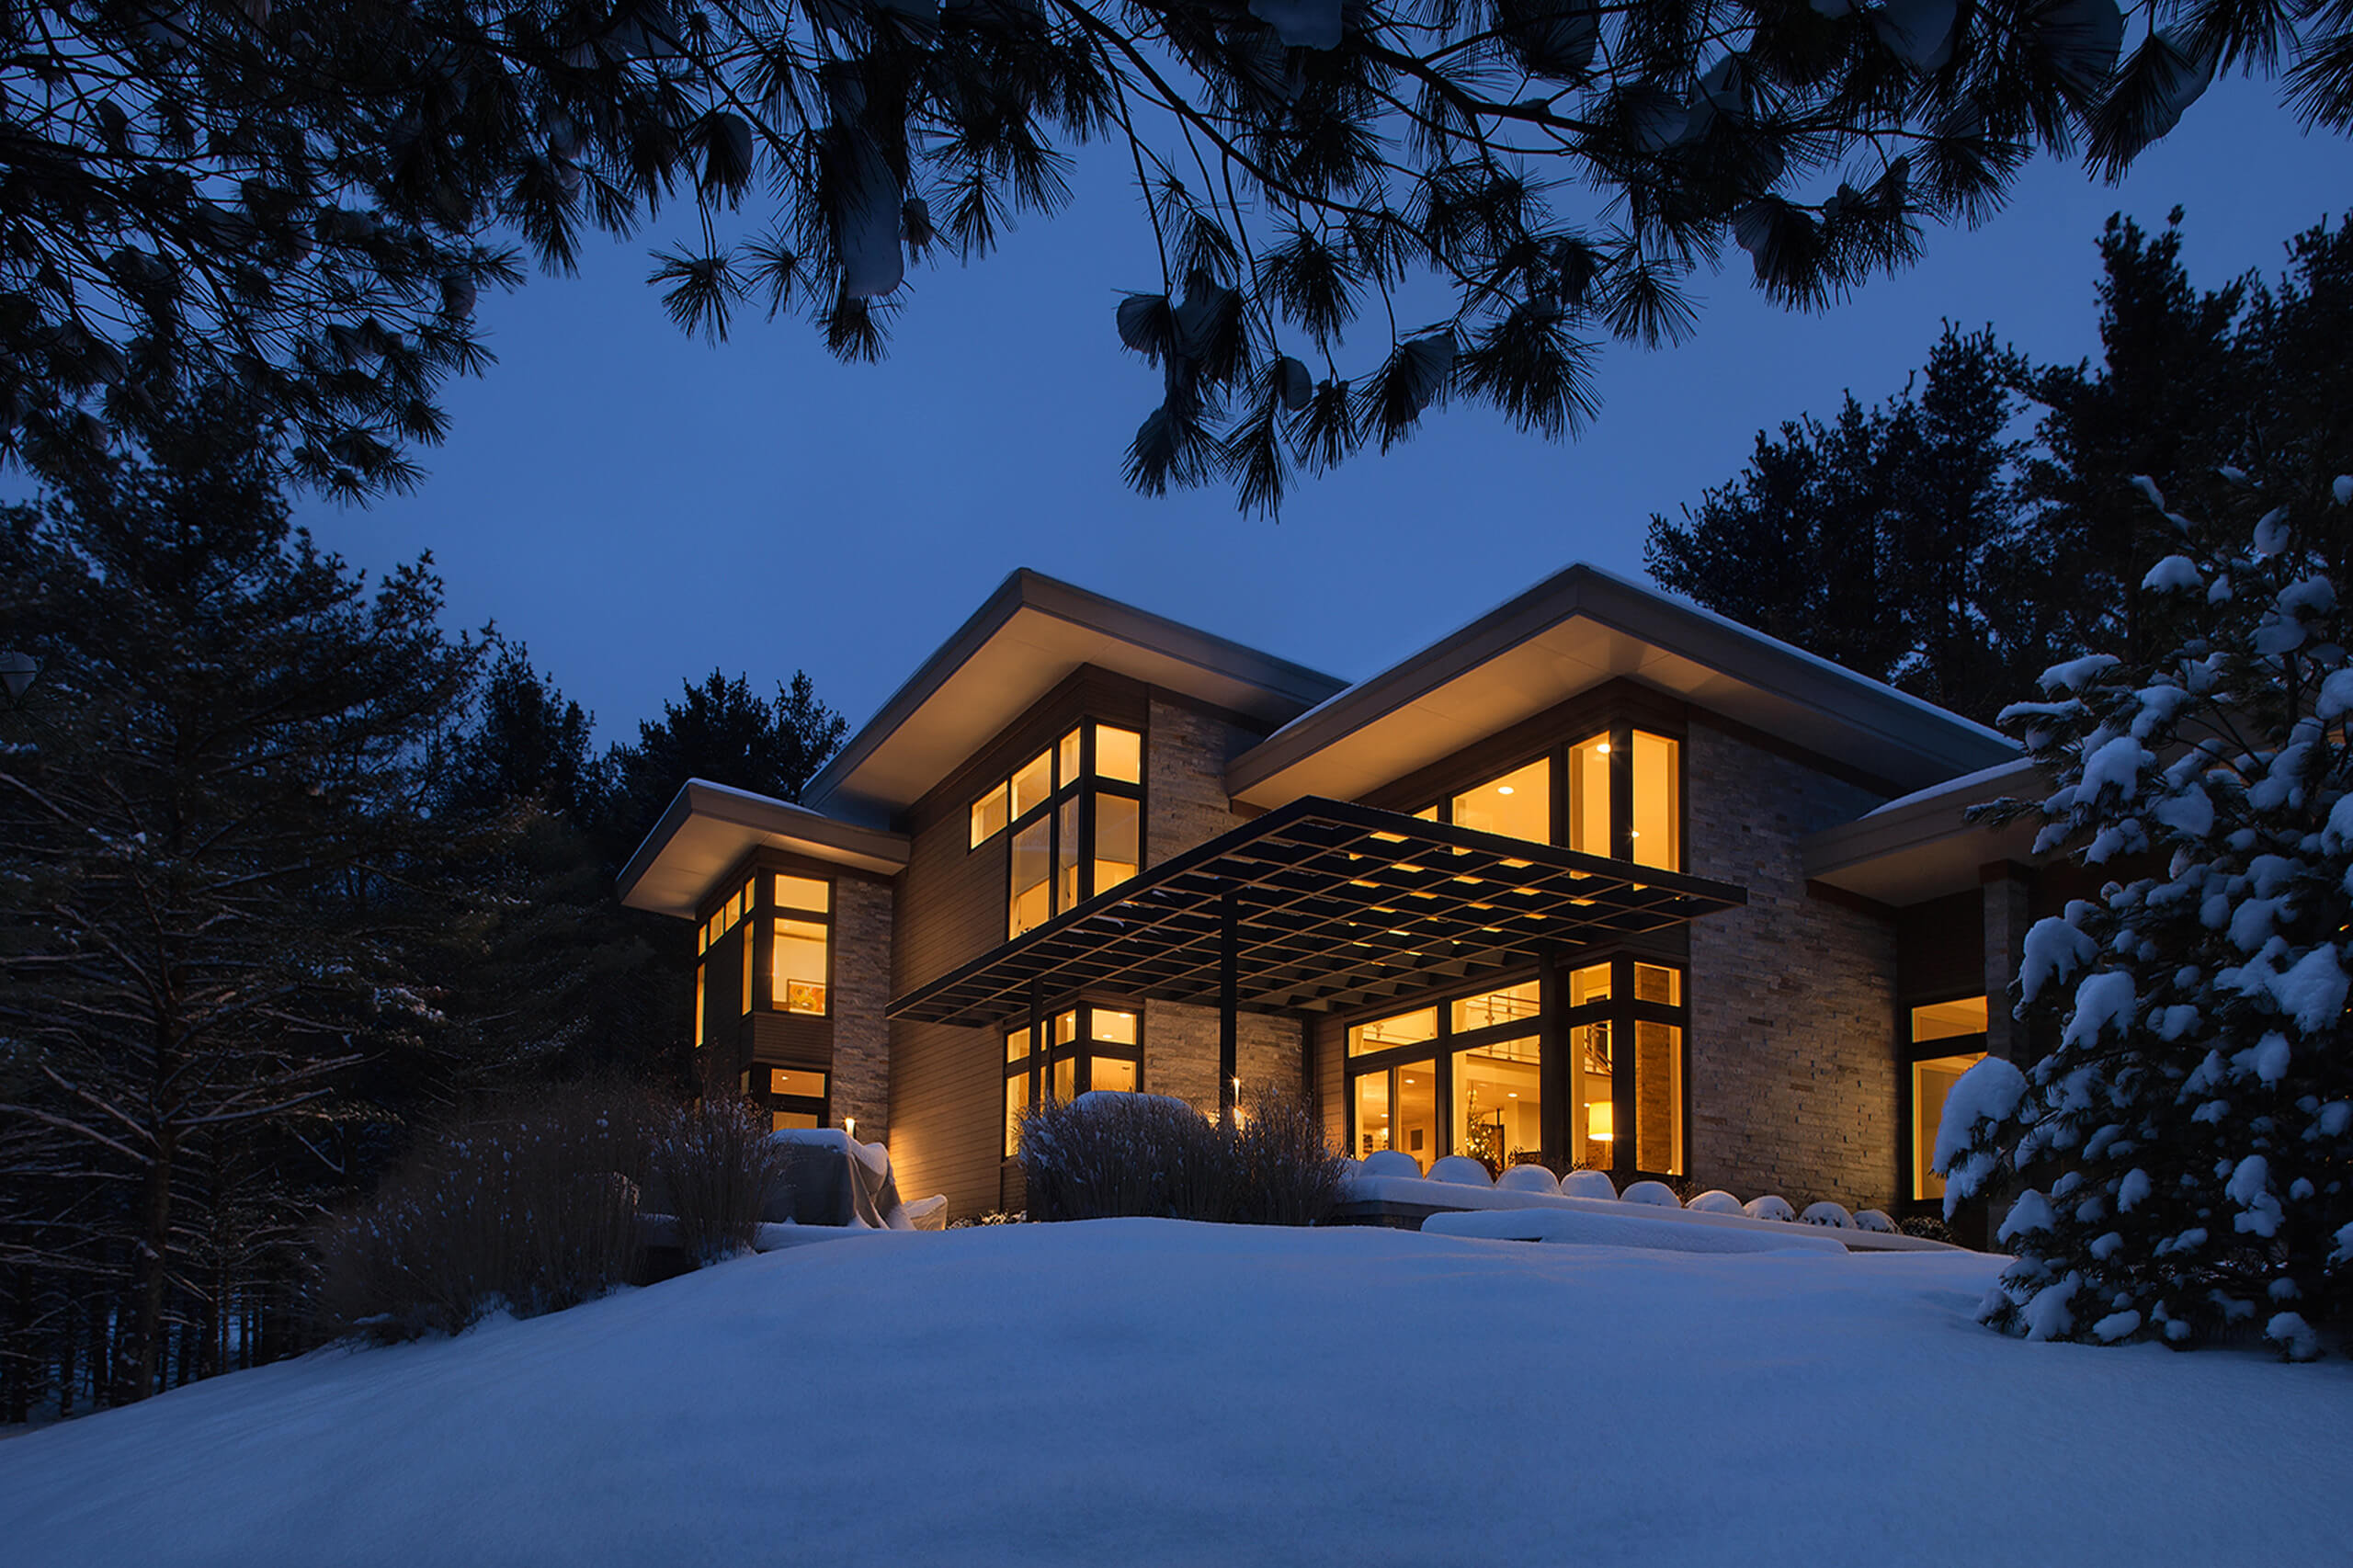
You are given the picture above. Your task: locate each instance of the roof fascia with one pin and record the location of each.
(764, 821)
(1609, 600)
(1028, 589)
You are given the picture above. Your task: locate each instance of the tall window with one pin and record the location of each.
(801, 947)
(1074, 815)
(1466, 1076)
(717, 942)
(1945, 1040)
(1620, 794)
(1086, 1048)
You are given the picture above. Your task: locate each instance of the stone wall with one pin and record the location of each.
(1184, 801)
(1793, 1073)
(1180, 1052)
(861, 1085)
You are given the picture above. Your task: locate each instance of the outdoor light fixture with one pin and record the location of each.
(17, 671)
(849, 1125)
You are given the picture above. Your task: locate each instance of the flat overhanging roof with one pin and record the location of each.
(1336, 905)
(1924, 845)
(1033, 631)
(709, 828)
(1574, 631)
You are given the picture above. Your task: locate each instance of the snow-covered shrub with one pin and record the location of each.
(2179, 1161)
(1529, 1178)
(1109, 1155)
(1715, 1200)
(1833, 1215)
(1655, 1193)
(1461, 1168)
(530, 1213)
(1875, 1221)
(1772, 1206)
(1589, 1184)
(1391, 1163)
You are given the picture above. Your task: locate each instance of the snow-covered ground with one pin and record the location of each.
(1130, 1392)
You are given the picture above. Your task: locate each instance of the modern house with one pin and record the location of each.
(1598, 879)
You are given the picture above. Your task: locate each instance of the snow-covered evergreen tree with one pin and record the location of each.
(2179, 1160)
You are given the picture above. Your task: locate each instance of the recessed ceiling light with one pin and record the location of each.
(1503, 789)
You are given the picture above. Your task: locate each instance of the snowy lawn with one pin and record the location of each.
(1126, 1393)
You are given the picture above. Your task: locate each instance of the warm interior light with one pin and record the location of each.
(1503, 789)
(1600, 1122)
(1602, 749)
(1511, 1094)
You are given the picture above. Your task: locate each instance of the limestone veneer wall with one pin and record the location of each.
(861, 1084)
(1180, 1052)
(1793, 1073)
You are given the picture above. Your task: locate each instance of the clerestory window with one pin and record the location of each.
(1618, 792)
(1072, 817)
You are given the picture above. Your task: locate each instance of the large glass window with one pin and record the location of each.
(1091, 1048)
(1481, 1059)
(801, 946)
(1075, 816)
(1946, 1038)
(1517, 805)
(1622, 796)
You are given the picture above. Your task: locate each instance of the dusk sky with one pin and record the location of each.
(639, 508)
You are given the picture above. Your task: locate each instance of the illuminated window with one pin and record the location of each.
(795, 1096)
(989, 814)
(1076, 815)
(1589, 796)
(1948, 1020)
(1940, 1051)
(1092, 1048)
(1658, 830)
(1498, 1110)
(1397, 1108)
(1406, 1028)
(1513, 1005)
(1932, 1080)
(802, 973)
(1118, 755)
(1517, 805)
(805, 895)
(1648, 767)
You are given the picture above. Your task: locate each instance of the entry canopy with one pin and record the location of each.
(1332, 904)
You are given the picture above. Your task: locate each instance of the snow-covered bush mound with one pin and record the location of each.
(1529, 1178)
(1589, 1184)
(1716, 1200)
(1826, 1213)
(1391, 1163)
(2178, 1157)
(1462, 1170)
(1772, 1206)
(1875, 1221)
(1657, 1194)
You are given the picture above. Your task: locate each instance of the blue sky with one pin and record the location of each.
(638, 506)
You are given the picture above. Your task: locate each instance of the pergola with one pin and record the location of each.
(1317, 905)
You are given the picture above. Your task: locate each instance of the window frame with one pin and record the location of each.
(1618, 730)
(1086, 788)
(1909, 1054)
(773, 912)
(1082, 1049)
(1550, 1026)
(771, 1100)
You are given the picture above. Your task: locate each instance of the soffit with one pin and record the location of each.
(1924, 845)
(1572, 632)
(1031, 635)
(709, 828)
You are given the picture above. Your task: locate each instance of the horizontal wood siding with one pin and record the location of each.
(787, 1039)
(947, 1105)
(1328, 1039)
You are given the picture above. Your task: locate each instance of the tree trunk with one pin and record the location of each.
(137, 1350)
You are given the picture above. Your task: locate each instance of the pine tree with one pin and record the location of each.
(720, 732)
(211, 827)
(2181, 1161)
(2169, 398)
(1887, 541)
